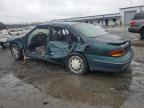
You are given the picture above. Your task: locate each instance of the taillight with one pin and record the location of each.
(117, 53)
(132, 23)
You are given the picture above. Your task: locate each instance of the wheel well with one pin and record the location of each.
(12, 44)
(16, 43)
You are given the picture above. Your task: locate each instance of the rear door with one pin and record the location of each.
(61, 42)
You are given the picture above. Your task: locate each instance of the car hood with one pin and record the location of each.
(14, 38)
(4, 39)
(110, 39)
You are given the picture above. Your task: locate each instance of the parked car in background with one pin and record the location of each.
(3, 42)
(137, 24)
(5, 36)
(78, 46)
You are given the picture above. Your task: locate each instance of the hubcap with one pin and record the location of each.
(76, 64)
(15, 52)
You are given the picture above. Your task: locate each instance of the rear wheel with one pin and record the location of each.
(16, 52)
(77, 64)
(142, 34)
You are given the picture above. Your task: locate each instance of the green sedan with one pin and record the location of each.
(78, 46)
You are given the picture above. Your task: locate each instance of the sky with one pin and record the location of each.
(26, 11)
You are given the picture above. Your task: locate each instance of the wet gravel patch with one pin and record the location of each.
(94, 89)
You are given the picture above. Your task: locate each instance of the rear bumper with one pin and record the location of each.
(111, 64)
(134, 29)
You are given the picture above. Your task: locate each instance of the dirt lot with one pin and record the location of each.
(39, 84)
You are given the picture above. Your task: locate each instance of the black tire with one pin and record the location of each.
(17, 50)
(142, 34)
(83, 66)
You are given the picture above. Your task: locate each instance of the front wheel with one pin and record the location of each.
(16, 52)
(142, 34)
(77, 64)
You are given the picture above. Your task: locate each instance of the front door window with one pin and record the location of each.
(37, 40)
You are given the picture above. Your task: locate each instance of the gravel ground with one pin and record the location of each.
(39, 84)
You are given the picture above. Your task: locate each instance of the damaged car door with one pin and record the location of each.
(61, 42)
(36, 42)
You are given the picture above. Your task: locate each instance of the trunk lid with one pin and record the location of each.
(14, 38)
(119, 42)
(111, 39)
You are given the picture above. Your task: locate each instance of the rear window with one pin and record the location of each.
(89, 30)
(138, 16)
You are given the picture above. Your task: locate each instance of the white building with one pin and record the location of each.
(128, 13)
(125, 15)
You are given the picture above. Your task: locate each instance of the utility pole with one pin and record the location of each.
(131, 3)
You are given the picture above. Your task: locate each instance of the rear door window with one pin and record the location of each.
(61, 34)
(138, 16)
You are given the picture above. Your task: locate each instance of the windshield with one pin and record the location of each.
(90, 30)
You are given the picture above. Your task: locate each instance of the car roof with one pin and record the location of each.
(60, 23)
